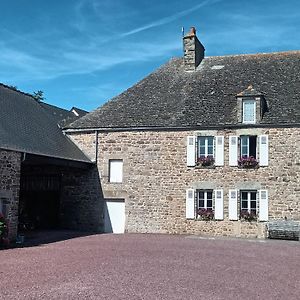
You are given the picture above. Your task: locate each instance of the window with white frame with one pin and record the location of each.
(205, 199)
(249, 111)
(115, 170)
(205, 146)
(249, 202)
(206, 150)
(248, 144)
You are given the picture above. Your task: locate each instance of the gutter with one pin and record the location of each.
(180, 128)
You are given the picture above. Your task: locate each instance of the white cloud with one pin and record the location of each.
(169, 19)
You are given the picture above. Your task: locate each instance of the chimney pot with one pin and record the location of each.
(192, 31)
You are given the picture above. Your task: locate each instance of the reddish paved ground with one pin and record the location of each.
(152, 267)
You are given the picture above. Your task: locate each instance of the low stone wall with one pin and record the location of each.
(10, 166)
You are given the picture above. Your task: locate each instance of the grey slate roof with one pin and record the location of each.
(27, 127)
(172, 97)
(62, 116)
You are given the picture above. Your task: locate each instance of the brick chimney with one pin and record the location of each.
(193, 50)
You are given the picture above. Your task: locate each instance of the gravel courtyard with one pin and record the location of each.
(136, 266)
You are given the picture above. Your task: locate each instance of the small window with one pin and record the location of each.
(205, 199)
(249, 108)
(248, 145)
(205, 146)
(206, 150)
(249, 202)
(115, 170)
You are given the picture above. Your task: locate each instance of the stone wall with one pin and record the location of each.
(10, 164)
(81, 200)
(156, 178)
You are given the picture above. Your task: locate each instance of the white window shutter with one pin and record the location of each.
(191, 151)
(219, 159)
(190, 204)
(233, 201)
(263, 205)
(219, 205)
(233, 151)
(263, 150)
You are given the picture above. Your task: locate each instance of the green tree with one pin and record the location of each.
(38, 96)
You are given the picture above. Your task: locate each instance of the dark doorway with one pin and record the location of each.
(39, 202)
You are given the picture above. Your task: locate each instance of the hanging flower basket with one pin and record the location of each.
(205, 161)
(247, 162)
(206, 214)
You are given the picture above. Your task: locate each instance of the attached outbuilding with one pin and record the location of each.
(46, 181)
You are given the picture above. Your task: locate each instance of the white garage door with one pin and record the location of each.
(114, 216)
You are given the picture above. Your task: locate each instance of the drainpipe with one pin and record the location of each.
(96, 146)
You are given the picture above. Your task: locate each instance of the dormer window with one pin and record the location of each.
(251, 106)
(249, 111)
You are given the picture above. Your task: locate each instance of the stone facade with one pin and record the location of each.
(10, 165)
(81, 200)
(156, 178)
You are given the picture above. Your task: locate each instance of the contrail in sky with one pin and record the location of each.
(169, 19)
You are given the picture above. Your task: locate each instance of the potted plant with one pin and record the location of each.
(248, 216)
(205, 161)
(247, 162)
(206, 214)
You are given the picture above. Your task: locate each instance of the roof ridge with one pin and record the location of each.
(16, 90)
(255, 54)
(42, 102)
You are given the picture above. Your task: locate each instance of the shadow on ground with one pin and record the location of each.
(41, 237)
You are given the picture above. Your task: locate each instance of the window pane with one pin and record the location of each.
(201, 151)
(201, 195)
(244, 145)
(209, 203)
(210, 141)
(201, 141)
(201, 204)
(249, 111)
(244, 195)
(244, 204)
(253, 204)
(209, 195)
(201, 146)
(253, 196)
(252, 146)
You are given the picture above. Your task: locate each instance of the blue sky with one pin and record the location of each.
(83, 52)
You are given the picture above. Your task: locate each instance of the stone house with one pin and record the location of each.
(203, 145)
(45, 179)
